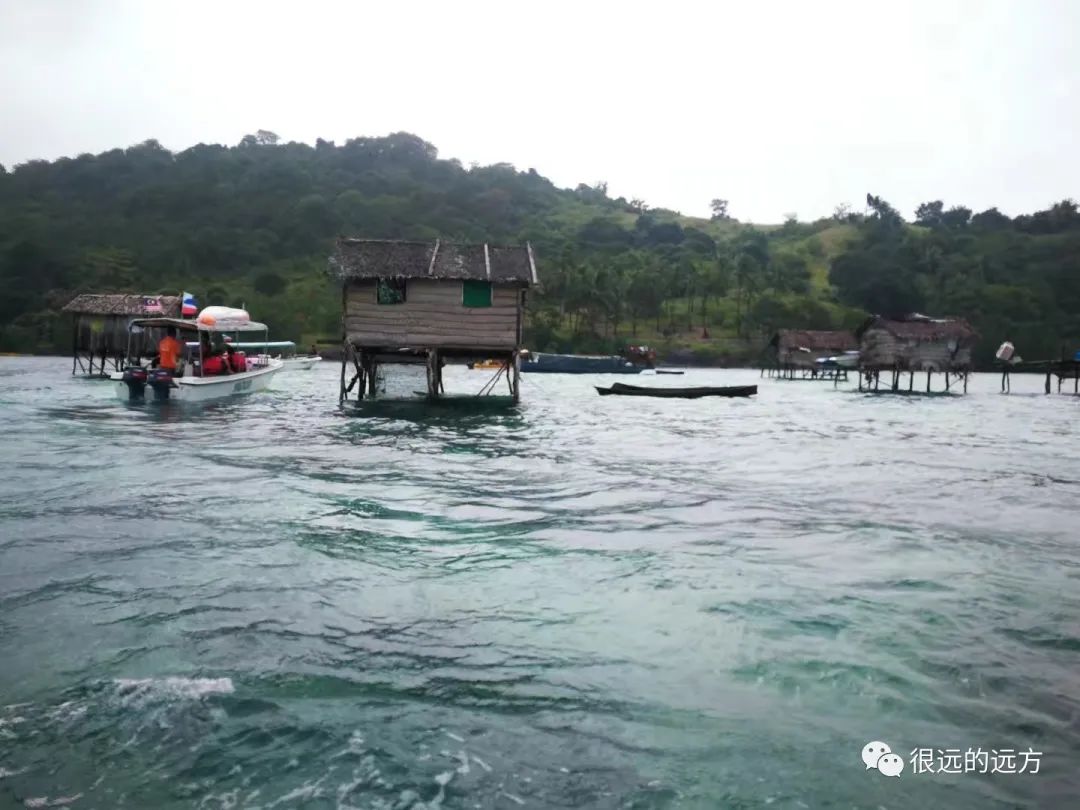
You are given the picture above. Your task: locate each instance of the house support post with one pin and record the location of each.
(372, 375)
(1048, 381)
(342, 393)
(928, 373)
(433, 373)
(515, 388)
(358, 377)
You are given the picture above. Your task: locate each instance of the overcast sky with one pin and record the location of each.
(778, 107)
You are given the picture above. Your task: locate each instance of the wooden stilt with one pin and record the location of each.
(344, 358)
(946, 381)
(1048, 382)
(515, 390)
(965, 381)
(432, 373)
(928, 373)
(372, 377)
(910, 380)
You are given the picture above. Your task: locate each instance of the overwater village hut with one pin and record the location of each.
(794, 353)
(912, 343)
(431, 303)
(100, 327)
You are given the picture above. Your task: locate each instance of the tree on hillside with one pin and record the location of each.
(719, 209)
(929, 213)
(956, 217)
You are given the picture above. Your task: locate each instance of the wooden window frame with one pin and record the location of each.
(393, 283)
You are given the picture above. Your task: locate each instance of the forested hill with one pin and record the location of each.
(253, 224)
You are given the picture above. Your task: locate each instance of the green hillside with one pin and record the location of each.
(253, 224)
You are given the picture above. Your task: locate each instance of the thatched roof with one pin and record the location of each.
(814, 340)
(121, 304)
(379, 258)
(920, 328)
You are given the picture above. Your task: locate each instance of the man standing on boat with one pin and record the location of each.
(170, 351)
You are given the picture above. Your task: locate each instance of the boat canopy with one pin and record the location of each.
(183, 325)
(284, 345)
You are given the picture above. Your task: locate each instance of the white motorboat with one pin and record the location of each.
(845, 360)
(201, 377)
(301, 363)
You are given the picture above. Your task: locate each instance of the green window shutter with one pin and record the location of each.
(476, 293)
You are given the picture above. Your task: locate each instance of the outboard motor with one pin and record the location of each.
(161, 380)
(135, 379)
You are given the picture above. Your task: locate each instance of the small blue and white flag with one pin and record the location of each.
(188, 307)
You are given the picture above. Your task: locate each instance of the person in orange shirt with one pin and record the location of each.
(170, 351)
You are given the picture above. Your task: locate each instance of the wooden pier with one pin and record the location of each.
(1064, 370)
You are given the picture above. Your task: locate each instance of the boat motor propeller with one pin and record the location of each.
(135, 379)
(161, 380)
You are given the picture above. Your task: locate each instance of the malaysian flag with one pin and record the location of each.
(151, 304)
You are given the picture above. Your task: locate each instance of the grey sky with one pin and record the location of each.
(778, 107)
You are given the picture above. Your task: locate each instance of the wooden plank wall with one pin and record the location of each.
(432, 316)
(880, 347)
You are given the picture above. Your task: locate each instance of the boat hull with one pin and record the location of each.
(208, 389)
(619, 389)
(577, 364)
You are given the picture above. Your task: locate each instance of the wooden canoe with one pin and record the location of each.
(621, 389)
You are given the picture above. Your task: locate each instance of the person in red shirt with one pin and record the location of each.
(170, 351)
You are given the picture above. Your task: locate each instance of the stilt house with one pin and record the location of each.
(100, 330)
(794, 353)
(915, 342)
(431, 303)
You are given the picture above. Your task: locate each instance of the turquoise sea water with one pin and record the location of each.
(585, 602)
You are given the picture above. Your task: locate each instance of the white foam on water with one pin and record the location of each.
(480, 762)
(513, 798)
(463, 758)
(5, 773)
(193, 688)
(45, 801)
(453, 736)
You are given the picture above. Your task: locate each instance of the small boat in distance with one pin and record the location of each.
(487, 365)
(620, 389)
(577, 364)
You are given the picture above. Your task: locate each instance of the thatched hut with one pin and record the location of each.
(794, 353)
(915, 343)
(430, 302)
(101, 327)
